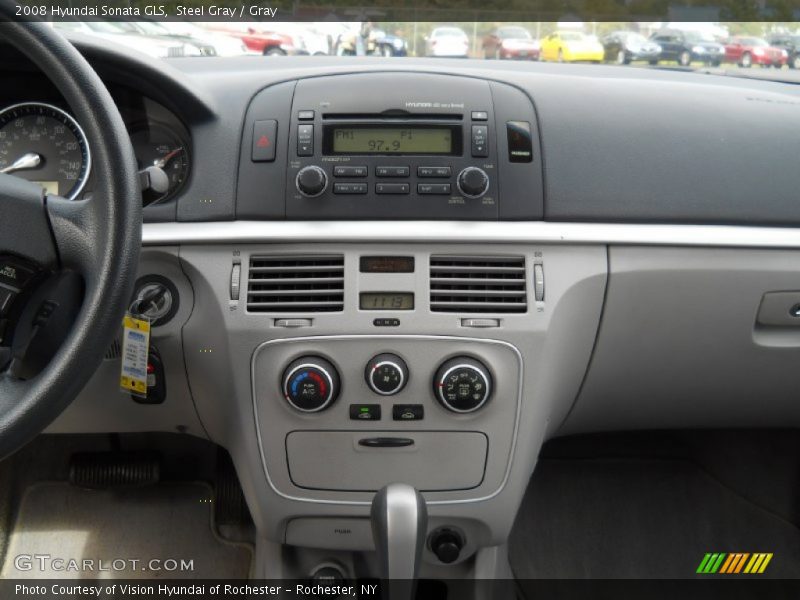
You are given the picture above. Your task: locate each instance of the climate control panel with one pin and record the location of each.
(461, 384)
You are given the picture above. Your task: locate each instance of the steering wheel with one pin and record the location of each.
(79, 257)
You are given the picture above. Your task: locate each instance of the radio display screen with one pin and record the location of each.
(383, 140)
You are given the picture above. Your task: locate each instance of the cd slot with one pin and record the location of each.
(399, 115)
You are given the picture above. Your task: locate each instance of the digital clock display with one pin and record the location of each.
(391, 140)
(386, 301)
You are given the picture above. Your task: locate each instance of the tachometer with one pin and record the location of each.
(42, 143)
(156, 145)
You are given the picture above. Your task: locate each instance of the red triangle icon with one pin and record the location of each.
(263, 141)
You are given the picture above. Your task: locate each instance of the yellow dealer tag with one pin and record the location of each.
(135, 344)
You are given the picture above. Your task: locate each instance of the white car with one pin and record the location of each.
(225, 45)
(114, 32)
(447, 42)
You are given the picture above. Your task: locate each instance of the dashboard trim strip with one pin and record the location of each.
(235, 232)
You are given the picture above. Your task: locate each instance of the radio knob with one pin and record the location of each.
(310, 384)
(311, 181)
(472, 182)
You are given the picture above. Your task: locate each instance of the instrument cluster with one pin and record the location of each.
(42, 142)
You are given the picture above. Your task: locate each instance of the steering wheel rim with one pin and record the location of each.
(98, 238)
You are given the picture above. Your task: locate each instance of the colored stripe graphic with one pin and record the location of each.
(734, 563)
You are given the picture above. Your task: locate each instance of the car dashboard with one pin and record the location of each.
(420, 271)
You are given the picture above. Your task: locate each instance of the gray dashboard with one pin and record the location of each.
(644, 287)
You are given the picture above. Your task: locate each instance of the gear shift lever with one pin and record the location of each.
(399, 526)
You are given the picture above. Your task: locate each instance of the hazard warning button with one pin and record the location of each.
(264, 133)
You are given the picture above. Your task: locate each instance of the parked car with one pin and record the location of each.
(624, 47)
(302, 36)
(447, 42)
(114, 32)
(267, 43)
(381, 43)
(224, 45)
(687, 46)
(791, 45)
(194, 46)
(747, 51)
(511, 42)
(571, 46)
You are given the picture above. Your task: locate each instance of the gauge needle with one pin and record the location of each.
(26, 161)
(162, 162)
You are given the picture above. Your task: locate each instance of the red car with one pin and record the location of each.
(747, 51)
(263, 42)
(511, 42)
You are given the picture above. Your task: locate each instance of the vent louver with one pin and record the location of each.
(308, 283)
(478, 284)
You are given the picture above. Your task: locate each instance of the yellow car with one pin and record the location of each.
(571, 46)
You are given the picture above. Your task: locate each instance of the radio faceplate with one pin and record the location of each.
(393, 145)
(359, 151)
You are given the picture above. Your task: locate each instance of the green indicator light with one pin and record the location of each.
(364, 409)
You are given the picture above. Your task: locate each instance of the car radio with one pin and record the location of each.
(402, 146)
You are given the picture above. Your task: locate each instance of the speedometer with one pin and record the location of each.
(42, 143)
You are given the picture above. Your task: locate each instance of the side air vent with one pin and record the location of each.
(478, 284)
(310, 283)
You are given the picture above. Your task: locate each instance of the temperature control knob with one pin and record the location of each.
(473, 182)
(386, 374)
(311, 181)
(310, 384)
(462, 384)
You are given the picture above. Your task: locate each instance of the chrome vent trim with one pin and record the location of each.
(295, 283)
(478, 284)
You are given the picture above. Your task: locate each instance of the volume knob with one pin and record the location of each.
(473, 182)
(311, 181)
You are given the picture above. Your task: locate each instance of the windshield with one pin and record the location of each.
(699, 36)
(514, 32)
(647, 45)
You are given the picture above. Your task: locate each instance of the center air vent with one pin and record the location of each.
(478, 284)
(281, 284)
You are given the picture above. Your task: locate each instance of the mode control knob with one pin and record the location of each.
(472, 182)
(462, 384)
(310, 384)
(386, 374)
(311, 181)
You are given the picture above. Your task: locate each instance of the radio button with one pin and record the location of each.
(480, 115)
(425, 189)
(392, 171)
(305, 140)
(349, 188)
(480, 141)
(349, 171)
(433, 172)
(392, 188)
(308, 115)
